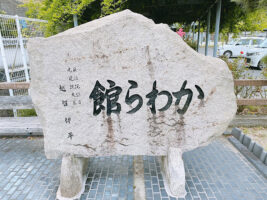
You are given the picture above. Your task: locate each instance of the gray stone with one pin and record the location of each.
(236, 132)
(257, 150)
(122, 47)
(249, 121)
(246, 141)
(139, 189)
(249, 156)
(173, 170)
(263, 156)
(241, 137)
(265, 162)
(251, 145)
(227, 133)
(72, 178)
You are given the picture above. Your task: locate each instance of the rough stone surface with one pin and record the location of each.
(173, 170)
(72, 178)
(138, 170)
(121, 47)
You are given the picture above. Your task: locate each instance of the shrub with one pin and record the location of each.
(239, 71)
(191, 43)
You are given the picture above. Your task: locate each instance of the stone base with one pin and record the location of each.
(74, 173)
(173, 173)
(72, 178)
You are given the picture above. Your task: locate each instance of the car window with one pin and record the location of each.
(243, 42)
(233, 42)
(263, 44)
(256, 41)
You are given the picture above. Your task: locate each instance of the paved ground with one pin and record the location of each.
(202, 51)
(217, 171)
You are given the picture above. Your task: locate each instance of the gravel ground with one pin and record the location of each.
(257, 134)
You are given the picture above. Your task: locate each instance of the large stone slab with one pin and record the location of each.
(115, 52)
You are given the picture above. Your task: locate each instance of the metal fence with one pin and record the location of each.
(14, 34)
(14, 62)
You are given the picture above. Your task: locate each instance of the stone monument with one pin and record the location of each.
(123, 85)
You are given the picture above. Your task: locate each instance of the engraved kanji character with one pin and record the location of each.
(98, 95)
(112, 95)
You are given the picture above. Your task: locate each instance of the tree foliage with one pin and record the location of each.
(256, 20)
(241, 20)
(110, 6)
(244, 16)
(59, 13)
(252, 5)
(239, 17)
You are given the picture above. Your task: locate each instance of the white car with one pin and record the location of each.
(255, 55)
(239, 47)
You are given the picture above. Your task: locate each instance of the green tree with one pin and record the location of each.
(238, 19)
(59, 13)
(253, 21)
(264, 71)
(110, 6)
(251, 5)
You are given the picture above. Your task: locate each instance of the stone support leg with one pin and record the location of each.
(174, 173)
(72, 178)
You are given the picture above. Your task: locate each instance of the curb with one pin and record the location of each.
(249, 121)
(253, 152)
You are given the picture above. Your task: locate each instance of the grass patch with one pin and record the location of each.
(253, 110)
(26, 113)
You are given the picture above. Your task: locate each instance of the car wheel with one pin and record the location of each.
(2, 76)
(227, 54)
(261, 65)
